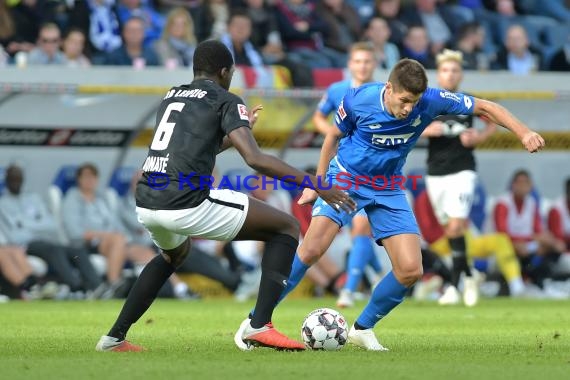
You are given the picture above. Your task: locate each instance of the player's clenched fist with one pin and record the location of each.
(532, 141)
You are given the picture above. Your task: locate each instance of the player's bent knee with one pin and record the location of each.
(409, 275)
(310, 254)
(176, 256)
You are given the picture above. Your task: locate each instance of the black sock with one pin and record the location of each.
(276, 267)
(431, 261)
(459, 256)
(141, 296)
(359, 327)
(30, 281)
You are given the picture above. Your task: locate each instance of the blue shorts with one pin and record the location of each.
(388, 214)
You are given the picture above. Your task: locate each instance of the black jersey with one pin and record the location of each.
(446, 154)
(190, 125)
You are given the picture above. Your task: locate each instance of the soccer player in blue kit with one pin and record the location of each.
(361, 66)
(378, 125)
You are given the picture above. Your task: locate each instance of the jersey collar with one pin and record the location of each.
(382, 98)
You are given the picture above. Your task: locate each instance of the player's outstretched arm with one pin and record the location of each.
(498, 114)
(242, 139)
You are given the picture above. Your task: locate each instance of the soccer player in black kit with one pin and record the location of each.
(451, 176)
(174, 200)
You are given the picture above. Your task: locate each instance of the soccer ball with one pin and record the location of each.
(324, 329)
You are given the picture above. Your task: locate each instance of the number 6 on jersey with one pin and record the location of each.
(165, 128)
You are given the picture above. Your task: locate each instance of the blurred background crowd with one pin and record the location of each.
(521, 36)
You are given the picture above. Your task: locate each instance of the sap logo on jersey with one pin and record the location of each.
(242, 110)
(195, 93)
(390, 140)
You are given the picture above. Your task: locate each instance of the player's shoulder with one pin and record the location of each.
(363, 93)
(368, 88)
(339, 86)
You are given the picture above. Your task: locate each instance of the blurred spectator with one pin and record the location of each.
(211, 19)
(73, 47)
(243, 51)
(517, 214)
(7, 30)
(153, 21)
(389, 10)
(265, 32)
(509, 12)
(517, 56)
(302, 31)
(559, 218)
(560, 61)
(104, 32)
(416, 46)
(15, 268)
(189, 5)
(89, 223)
(427, 14)
(364, 9)
(558, 9)
(470, 42)
(342, 24)
(28, 224)
(132, 52)
(27, 17)
(175, 48)
(47, 51)
(378, 33)
(266, 39)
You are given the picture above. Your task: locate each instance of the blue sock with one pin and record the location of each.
(373, 260)
(387, 295)
(357, 259)
(298, 270)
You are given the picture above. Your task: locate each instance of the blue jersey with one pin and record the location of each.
(332, 98)
(375, 142)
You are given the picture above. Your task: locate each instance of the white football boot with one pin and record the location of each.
(470, 291)
(238, 337)
(451, 296)
(365, 339)
(345, 299)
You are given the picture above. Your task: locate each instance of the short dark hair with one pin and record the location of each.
(520, 173)
(568, 185)
(467, 29)
(239, 12)
(211, 56)
(87, 166)
(409, 75)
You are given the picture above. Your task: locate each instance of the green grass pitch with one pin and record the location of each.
(499, 339)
